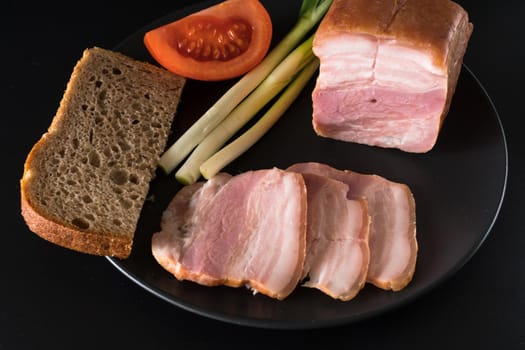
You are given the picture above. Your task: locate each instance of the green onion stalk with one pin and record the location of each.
(270, 87)
(237, 147)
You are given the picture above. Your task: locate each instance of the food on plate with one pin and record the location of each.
(227, 154)
(220, 42)
(248, 229)
(337, 230)
(309, 225)
(290, 75)
(392, 237)
(85, 181)
(388, 71)
(310, 14)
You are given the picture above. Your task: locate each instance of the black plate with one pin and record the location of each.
(458, 186)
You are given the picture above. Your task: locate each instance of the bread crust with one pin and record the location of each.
(64, 236)
(68, 237)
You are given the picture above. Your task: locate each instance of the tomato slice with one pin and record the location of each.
(220, 42)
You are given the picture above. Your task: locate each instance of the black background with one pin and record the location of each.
(51, 296)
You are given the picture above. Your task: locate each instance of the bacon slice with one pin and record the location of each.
(337, 252)
(388, 70)
(249, 229)
(392, 238)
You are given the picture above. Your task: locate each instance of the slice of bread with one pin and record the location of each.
(86, 180)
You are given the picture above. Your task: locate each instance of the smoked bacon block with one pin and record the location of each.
(388, 70)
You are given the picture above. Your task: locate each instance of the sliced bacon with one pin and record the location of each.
(392, 238)
(248, 229)
(388, 70)
(337, 253)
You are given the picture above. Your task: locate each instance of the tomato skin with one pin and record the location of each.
(221, 42)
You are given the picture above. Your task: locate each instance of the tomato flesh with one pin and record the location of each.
(220, 42)
(207, 38)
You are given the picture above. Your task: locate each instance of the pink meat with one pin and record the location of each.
(249, 229)
(388, 70)
(337, 253)
(392, 238)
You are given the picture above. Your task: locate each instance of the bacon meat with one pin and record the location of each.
(388, 70)
(244, 230)
(392, 238)
(337, 252)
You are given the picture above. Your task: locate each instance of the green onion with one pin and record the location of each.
(274, 83)
(237, 147)
(311, 12)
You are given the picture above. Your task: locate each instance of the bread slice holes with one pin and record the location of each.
(118, 176)
(90, 217)
(107, 151)
(87, 199)
(75, 143)
(94, 159)
(116, 71)
(124, 145)
(133, 179)
(102, 98)
(117, 190)
(126, 204)
(117, 222)
(80, 223)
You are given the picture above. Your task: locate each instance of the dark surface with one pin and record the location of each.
(55, 297)
(449, 231)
